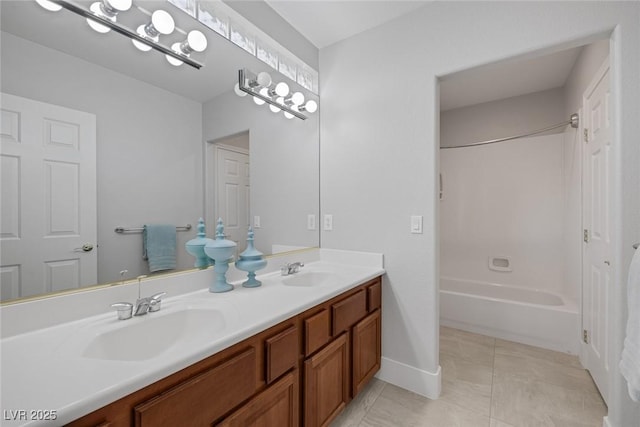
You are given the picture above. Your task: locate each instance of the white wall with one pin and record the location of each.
(502, 118)
(504, 200)
(380, 160)
(285, 180)
(149, 167)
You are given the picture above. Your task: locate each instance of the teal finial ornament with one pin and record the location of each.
(196, 247)
(251, 260)
(220, 250)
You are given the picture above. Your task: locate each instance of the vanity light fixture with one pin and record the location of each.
(261, 88)
(101, 16)
(107, 9)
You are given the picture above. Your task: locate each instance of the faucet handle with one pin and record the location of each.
(155, 301)
(125, 310)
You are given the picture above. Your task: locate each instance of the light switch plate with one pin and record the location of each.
(256, 221)
(416, 224)
(328, 222)
(311, 222)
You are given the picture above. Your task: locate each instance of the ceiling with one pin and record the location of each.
(506, 79)
(324, 22)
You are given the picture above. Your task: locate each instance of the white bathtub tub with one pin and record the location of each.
(528, 316)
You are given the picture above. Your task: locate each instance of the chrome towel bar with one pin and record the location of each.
(139, 229)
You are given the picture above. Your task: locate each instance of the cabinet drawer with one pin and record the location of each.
(282, 353)
(203, 398)
(276, 406)
(317, 332)
(348, 311)
(374, 296)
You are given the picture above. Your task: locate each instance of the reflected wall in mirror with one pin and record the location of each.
(156, 130)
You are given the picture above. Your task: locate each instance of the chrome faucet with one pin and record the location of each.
(291, 268)
(142, 306)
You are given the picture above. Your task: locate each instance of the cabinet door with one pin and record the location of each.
(366, 350)
(326, 377)
(276, 406)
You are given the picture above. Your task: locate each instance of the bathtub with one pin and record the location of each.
(516, 314)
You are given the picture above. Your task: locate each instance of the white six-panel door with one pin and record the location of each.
(48, 199)
(233, 191)
(597, 223)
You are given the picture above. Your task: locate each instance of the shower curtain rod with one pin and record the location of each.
(573, 121)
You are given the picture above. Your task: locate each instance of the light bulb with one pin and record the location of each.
(311, 106)
(196, 41)
(120, 5)
(282, 89)
(162, 22)
(274, 108)
(258, 101)
(50, 6)
(237, 90)
(280, 100)
(264, 79)
(288, 115)
(107, 9)
(139, 45)
(174, 61)
(96, 8)
(297, 98)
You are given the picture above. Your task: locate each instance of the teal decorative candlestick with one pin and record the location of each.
(220, 250)
(251, 260)
(196, 247)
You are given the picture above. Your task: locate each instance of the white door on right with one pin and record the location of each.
(597, 224)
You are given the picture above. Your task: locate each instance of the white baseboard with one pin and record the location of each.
(428, 384)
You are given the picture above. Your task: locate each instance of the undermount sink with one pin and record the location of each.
(308, 279)
(148, 336)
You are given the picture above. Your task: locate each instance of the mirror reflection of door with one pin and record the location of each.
(232, 187)
(48, 160)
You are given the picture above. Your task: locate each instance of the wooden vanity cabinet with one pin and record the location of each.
(319, 359)
(351, 356)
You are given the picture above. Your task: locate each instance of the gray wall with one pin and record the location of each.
(502, 118)
(149, 145)
(380, 156)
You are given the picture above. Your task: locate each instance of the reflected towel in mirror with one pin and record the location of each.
(159, 246)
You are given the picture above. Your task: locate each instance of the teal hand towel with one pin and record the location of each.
(159, 246)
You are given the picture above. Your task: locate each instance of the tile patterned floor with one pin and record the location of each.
(486, 382)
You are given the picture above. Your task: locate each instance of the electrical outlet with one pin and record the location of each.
(311, 222)
(256, 221)
(328, 222)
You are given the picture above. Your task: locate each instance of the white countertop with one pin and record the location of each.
(44, 369)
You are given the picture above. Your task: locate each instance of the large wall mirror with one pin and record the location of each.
(163, 136)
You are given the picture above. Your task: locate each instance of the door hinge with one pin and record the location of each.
(586, 135)
(585, 336)
(585, 235)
